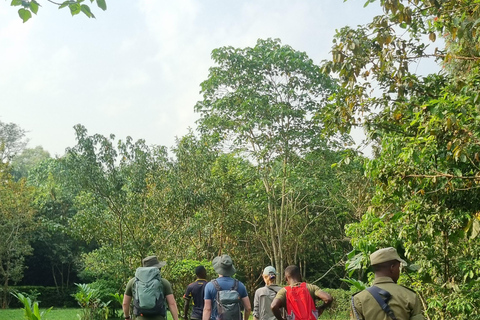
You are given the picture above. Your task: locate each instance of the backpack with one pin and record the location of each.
(148, 298)
(228, 302)
(300, 304)
(271, 296)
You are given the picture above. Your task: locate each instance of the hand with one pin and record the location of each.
(320, 310)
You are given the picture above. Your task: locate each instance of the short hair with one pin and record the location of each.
(293, 271)
(384, 265)
(200, 270)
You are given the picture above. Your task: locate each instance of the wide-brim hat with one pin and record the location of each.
(223, 265)
(384, 255)
(152, 261)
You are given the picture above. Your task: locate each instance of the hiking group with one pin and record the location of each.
(226, 298)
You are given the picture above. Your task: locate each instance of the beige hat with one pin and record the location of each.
(152, 261)
(384, 255)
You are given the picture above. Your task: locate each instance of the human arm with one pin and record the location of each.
(126, 305)
(207, 309)
(247, 307)
(255, 305)
(172, 306)
(326, 298)
(275, 306)
(187, 296)
(186, 306)
(417, 312)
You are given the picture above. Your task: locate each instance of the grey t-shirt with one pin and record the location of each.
(262, 301)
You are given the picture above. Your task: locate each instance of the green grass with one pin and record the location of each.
(54, 314)
(71, 314)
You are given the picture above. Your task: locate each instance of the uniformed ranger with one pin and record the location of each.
(404, 303)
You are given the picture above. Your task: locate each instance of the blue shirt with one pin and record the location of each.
(226, 283)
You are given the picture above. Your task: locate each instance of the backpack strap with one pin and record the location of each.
(235, 285)
(376, 292)
(216, 285)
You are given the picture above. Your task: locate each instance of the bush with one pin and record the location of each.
(341, 303)
(47, 296)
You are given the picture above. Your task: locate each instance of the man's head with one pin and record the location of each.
(223, 265)
(269, 275)
(292, 274)
(201, 272)
(386, 263)
(152, 261)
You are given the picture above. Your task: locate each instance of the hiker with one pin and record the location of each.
(195, 290)
(265, 295)
(148, 304)
(398, 302)
(299, 298)
(225, 297)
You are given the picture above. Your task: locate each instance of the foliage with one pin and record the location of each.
(426, 170)
(16, 223)
(260, 102)
(27, 160)
(89, 299)
(31, 310)
(12, 141)
(75, 6)
(51, 296)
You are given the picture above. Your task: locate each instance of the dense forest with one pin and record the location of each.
(271, 175)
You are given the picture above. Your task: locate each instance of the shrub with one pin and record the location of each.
(30, 307)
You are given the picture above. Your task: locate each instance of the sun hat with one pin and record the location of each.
(152, 261)
(223, 265)
(384, 255)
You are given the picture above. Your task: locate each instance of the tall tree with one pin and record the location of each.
(427, 169)
(16, 224)
(12, 140)
(27, 160)
(260, 102)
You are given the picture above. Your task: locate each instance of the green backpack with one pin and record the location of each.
(148, 298)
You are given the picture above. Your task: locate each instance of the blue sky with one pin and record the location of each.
(136, 69)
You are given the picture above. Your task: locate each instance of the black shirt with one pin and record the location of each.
(196, 290)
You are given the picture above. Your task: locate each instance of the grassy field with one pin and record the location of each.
(54, 314)
(71, 314)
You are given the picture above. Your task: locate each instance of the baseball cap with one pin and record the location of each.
(269, 271)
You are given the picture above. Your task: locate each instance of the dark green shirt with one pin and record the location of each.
(167, 289)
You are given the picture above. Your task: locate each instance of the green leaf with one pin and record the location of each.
(24, 14)
(86, 9)
(74, 8)
(34, 6)
(102, 4)
(16, 3)
(64, 4)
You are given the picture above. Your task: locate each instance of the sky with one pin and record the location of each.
(136, 69)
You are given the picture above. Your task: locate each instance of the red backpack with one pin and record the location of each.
(300, 305)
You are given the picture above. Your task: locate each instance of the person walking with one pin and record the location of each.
(265, 295)
(298, 298)
(149, 274)
(398, 302)
(195, 291)
(234, 289)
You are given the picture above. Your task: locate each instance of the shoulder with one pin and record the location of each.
(165, 282)
(312, 287)
(409, 289)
